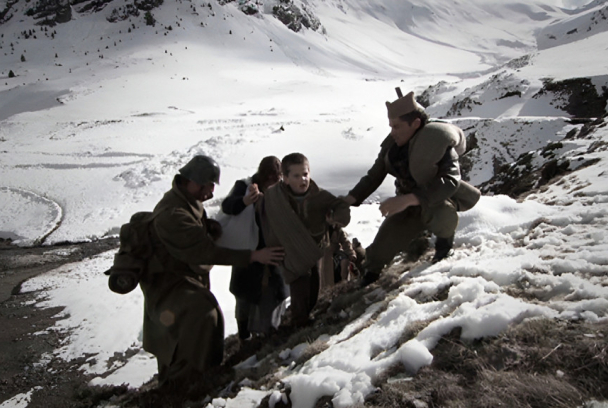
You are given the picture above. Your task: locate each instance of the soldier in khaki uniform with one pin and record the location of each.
(183, 323)
(423, 158)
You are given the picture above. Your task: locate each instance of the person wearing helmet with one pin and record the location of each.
(422, 155)
(183, 323)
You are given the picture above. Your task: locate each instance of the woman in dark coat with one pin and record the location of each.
(259, 289)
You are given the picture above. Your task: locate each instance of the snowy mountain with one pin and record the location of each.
(102, 101)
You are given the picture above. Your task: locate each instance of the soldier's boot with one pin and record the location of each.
(443, 248)
(369, 277)
(244, 333)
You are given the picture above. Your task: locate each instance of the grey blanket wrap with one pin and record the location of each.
(301, 251)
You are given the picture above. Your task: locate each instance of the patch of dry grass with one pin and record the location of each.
(538, 364)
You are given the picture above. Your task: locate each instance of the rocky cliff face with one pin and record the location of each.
(577, 96)
(51, 12)
(536, 168)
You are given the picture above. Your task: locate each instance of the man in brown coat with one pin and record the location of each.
(423, 158)
(183, 323)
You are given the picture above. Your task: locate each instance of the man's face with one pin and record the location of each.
(272, 180)
(298, 178)
(200, 192)
(402, 131)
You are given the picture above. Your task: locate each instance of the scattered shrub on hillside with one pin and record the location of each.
(149, 18)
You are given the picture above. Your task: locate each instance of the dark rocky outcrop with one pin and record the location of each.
(135, 9)
(286, 11)
(577, 96)
(294, 17)
(535, 169)
(7, 13)
(466, 162)
(53, 12)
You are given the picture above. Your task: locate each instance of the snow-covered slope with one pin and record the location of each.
(589, 21)
(124, 104)
(100, 115)
(495, 30)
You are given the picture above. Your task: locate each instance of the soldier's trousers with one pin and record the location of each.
(399, 230)
(186, 332)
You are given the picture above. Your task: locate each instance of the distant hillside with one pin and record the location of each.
(494, 32)
(560, 78)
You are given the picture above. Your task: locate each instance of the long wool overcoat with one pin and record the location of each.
(183, 323)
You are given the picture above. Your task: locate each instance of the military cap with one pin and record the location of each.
(403, 105)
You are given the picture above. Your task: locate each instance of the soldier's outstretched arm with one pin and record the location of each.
(372, 180)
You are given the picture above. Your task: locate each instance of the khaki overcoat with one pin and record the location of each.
(183, 323)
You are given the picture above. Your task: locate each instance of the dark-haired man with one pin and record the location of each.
(423, 158)
(183, 323)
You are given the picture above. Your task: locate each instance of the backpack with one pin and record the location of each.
(133, 254)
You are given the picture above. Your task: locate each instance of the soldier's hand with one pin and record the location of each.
(329, 218)
(397, 204)
(270, 256)
(350, 200)
(214, 229)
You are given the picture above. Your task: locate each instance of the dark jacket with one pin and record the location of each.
(176, 272)
(246, 282)
(427, 166)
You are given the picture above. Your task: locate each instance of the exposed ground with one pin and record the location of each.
(21, 350)
(540, 364)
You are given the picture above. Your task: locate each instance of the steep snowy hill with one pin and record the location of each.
(395, 35)
(589, 21)
(212, 76)
(101, 104)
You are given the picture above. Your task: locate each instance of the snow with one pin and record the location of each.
(27, 214)
(86, 141)
(18, 401)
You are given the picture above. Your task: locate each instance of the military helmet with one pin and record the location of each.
(202, 170)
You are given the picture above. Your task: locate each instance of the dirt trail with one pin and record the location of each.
(21, 350)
